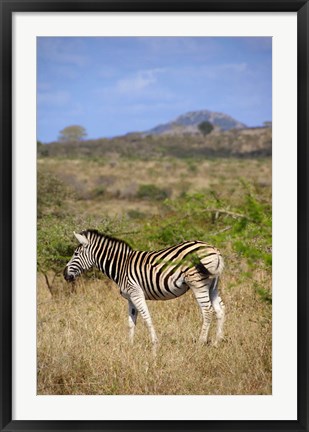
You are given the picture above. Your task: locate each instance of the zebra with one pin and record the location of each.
(154, 275)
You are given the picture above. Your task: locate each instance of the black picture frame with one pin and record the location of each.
(8, 7)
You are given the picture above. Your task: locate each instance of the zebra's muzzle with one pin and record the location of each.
(67, 276)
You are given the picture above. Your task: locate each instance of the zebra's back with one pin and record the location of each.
(161, 274)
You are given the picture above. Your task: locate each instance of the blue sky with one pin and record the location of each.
(115, 85)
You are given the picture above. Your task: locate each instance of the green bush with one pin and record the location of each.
(52, 194)
(151, 192)
(246, 227)
(55, 243)
(99, 192)
(240, 226)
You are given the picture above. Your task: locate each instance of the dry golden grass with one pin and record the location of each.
(121, 179)
(83, 347)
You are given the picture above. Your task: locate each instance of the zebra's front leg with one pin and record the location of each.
(138, 300)
(132, 320)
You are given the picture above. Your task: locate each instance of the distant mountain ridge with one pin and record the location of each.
(188, 123)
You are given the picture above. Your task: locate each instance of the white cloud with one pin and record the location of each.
(138, 82)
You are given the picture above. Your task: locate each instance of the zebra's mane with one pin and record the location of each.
(96, 233)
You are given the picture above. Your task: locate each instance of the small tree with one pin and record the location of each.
(42, 149)
(205, 127)
(55, 245)
(72, 133)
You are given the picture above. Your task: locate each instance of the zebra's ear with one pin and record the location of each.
(81, 238)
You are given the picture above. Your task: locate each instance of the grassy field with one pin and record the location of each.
(115, 187)
(82, 343)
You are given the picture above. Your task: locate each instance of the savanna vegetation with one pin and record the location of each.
(241, 143)
(152, 202)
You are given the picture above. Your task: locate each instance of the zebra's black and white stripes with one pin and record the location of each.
(157, 275)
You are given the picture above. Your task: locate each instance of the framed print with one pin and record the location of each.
(154, 151)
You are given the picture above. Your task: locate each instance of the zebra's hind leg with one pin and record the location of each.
(138, 300)
(132, 320)
(219, 307)
(199, 283)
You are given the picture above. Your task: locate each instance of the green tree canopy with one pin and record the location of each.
(205, 127)
(72, 133)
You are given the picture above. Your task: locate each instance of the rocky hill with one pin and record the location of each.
(187, 124)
